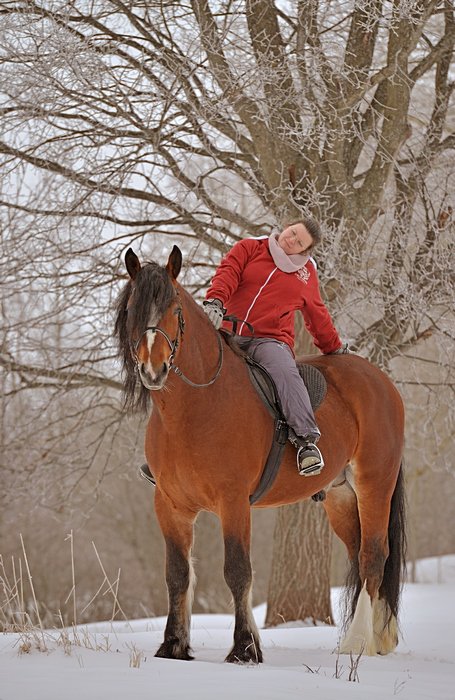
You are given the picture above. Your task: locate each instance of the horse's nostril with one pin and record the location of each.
(145, 373)
(150, 378)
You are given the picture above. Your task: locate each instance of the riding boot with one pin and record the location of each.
(309, 458)
(145, 472)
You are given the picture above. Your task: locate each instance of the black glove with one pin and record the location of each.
(215, 311)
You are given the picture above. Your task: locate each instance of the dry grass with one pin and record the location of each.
(353, 668)
(136, 655)
(20, 611)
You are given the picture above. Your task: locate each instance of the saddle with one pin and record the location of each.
(265, 386)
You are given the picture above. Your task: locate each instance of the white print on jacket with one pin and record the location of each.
(303, 275)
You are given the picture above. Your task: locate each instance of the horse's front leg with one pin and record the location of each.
(177, 528)
(236, 522)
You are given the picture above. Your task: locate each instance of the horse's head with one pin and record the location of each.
(149, 323)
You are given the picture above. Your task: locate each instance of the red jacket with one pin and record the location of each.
(252, 288)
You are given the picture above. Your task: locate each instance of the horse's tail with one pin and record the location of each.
(395, 565)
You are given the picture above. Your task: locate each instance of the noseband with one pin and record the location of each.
(174, 344)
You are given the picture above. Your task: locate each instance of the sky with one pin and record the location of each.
(113, 661)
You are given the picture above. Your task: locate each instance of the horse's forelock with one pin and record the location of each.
(153, 292)
(149, 296)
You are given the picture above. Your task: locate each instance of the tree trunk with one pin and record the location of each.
(299, 585)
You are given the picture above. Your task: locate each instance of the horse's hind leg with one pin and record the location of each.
(386, 604)
(236, 523)
(341, 508)
(342, 511)
(374, 624)
(177, 528)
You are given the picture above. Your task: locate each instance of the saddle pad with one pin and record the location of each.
(265, 386)
(315, 382)
(313, 379)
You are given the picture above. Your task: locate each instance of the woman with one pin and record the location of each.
(263, 281)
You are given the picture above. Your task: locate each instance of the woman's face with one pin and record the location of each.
(295, 239)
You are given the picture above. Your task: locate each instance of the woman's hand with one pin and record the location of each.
(344, 350)
(215, 311)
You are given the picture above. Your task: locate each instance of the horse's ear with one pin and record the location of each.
(174, 264)
(132, 263)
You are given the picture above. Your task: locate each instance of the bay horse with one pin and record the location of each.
(207, 440)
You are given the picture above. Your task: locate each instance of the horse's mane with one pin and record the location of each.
(152, 284)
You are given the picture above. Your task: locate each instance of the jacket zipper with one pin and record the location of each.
(256, 298)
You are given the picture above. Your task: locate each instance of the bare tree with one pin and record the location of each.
(202, 122)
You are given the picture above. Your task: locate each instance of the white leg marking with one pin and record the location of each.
(190, 592)
(385, 633)
(359, 638)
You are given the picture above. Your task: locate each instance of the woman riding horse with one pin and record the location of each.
(208, 437)
(264, 281)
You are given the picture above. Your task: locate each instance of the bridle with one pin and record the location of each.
(174, 344)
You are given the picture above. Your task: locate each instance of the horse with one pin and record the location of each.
(208, 437)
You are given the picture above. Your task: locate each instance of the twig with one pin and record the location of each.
(109, 583)
(32, 588)
(73, 575)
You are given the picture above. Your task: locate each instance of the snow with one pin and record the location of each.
(299, 662)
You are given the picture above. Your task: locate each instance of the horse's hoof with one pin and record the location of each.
(251, 654)
(172, 649)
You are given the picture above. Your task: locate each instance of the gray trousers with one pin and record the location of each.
(279, 361)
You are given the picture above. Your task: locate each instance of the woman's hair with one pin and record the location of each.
(312, 226)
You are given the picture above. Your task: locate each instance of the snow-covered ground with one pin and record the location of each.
(299, 662)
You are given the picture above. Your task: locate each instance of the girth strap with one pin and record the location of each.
(280, 436)
(266, 388)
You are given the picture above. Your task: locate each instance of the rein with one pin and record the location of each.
(173, 345)
(179, 372)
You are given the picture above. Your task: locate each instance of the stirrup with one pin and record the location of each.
(146, 474)
(313, 463)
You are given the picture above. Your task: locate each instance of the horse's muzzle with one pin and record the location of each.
(154, 381)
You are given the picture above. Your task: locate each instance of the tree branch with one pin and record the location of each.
(68, 380)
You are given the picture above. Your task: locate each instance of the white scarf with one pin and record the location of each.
(283, 261)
